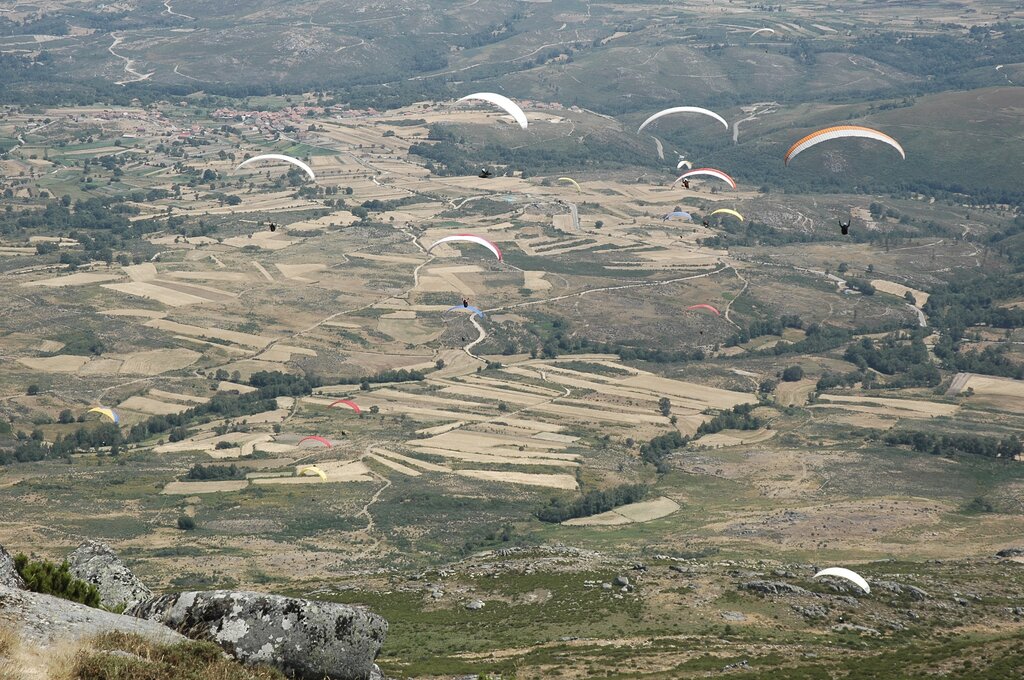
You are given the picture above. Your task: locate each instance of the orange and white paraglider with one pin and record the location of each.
(841, 132)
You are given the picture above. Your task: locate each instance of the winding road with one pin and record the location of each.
(128, 63)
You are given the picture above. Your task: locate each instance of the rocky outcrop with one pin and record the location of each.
(304, 638)
(774, 588)
(8, 574)
(97, 564)
(913, 592)
(44, 620)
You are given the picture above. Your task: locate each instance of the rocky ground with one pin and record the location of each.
(306, 639)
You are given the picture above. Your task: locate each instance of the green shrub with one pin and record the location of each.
(53, 579)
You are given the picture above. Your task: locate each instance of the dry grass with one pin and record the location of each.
(121, 656)
(9, 642)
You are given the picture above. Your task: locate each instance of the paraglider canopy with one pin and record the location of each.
(315, 438)
(762, 30)
(853, 576)
(728, 211)
(677, 214)
(278, 157)
(707, 172)
(841, 132)
(703, 306)
(466, 308)
(109, 413)
(313, 469)
(468, 238)
(347, 402)
(573, 182)
(684, 164)
(682, 109)
(501, 101)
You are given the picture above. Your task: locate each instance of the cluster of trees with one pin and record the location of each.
(31, 447)
(819, 338)
(894, 356)
(862, 286)
(740, 417)
(950, 444)
(591, 503)
(974, 301)
(977, 301)
(200, 472)
(269, 384)
(658, 449)
(391, 375)
(989, 361)
(829, 380)
(759, 328)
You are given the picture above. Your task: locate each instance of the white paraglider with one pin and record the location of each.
(848, 575)
(278, 157)
(682, 109)
(501, 101)
(468, 238)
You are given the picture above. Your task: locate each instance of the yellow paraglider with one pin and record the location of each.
(107, 412)
(728, 211)
(315, 470)
(573, 182)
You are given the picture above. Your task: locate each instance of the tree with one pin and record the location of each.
(843, 268)
(503, 407)
(665, 406)
(32, 390)
(65, 417)
(439, 364)
(792, 374)
(186, 523)
(767, 386)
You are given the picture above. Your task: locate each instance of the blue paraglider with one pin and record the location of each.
(677, 214)
(469, 308)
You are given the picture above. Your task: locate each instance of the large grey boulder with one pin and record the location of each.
(307, 639)
(9, 576)
(44, 620)
(96, 563)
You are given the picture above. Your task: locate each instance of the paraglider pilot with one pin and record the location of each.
(844, 227)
